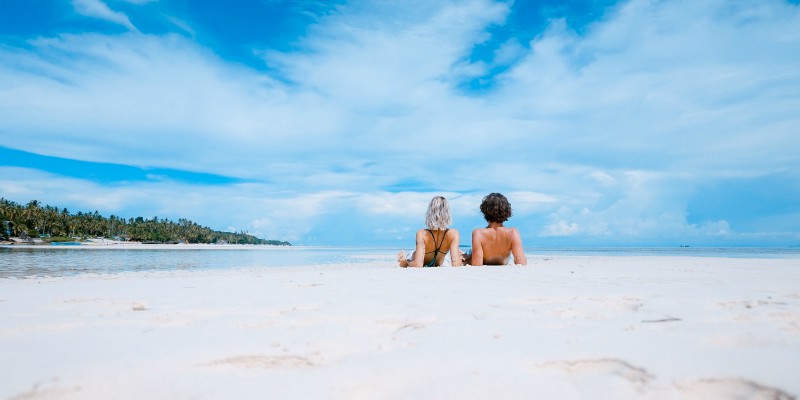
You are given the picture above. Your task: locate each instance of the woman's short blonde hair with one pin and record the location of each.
(438, 215)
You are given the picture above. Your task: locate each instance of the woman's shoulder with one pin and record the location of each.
(449, 232)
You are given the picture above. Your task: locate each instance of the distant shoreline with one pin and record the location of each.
(143, 246)
(105, 242)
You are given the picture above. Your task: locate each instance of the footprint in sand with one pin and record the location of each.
(731, 389)
(81, 300)
(603, 366)
(749, 304)
(411, 326)
(106, 306)
(47, 390)
(264, 362)
(400, 325)
(591, 308)
(790, 321)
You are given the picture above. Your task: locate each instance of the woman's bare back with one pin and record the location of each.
(428, 242)
(437, 240)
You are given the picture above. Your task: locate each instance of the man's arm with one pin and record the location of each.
(455, 253)
(477, 250)
(516, 248)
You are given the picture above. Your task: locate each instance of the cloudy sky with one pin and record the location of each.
(641, 122)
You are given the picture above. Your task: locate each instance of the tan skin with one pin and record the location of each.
(491, 245)
(424, 251)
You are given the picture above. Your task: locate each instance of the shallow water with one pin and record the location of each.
(726, 252)
(30, 261)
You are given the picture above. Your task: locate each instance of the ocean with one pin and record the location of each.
(54, 261)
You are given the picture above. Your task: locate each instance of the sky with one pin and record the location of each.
(605, 123)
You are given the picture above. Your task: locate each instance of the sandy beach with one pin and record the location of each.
(563, 327)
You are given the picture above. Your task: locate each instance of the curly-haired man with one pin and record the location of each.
(494, 244)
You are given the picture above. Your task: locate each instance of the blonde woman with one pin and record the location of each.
(434, 243)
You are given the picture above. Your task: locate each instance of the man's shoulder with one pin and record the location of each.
(479, 232)
(513, 234)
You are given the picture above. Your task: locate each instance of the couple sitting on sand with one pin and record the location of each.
(492, 245)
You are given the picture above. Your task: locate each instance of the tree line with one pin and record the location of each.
(35, 220)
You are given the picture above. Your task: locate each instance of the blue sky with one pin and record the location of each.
(333, 123)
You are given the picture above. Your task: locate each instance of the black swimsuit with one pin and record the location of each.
(436, 248)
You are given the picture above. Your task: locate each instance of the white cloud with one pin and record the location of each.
(635, 90)
(658, 82)
(528, 202)
(255, 208)
(99, 9)
(395, 204)
(561, 228)
(601, 133)
(603, 178)
(182, 25)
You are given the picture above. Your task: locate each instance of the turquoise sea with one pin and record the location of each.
(33, 261)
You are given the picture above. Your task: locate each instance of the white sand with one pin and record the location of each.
(562, 327)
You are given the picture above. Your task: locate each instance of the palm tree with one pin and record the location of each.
(5, 208)
(48, 218)
(65, 221)
(31, 212)
(30, 215)
(7, 211)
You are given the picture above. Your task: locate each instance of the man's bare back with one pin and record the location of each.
(493, 245)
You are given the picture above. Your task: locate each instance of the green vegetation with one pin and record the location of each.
(35, 220)
(60, 239)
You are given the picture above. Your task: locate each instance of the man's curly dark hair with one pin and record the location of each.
(496, 208)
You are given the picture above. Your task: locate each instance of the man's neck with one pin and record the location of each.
(495, 225)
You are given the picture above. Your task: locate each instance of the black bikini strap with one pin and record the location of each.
(437, 246)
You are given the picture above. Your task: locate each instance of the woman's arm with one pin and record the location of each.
(477, 250)
(419, 253)
(455, 252)
(516, 248)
